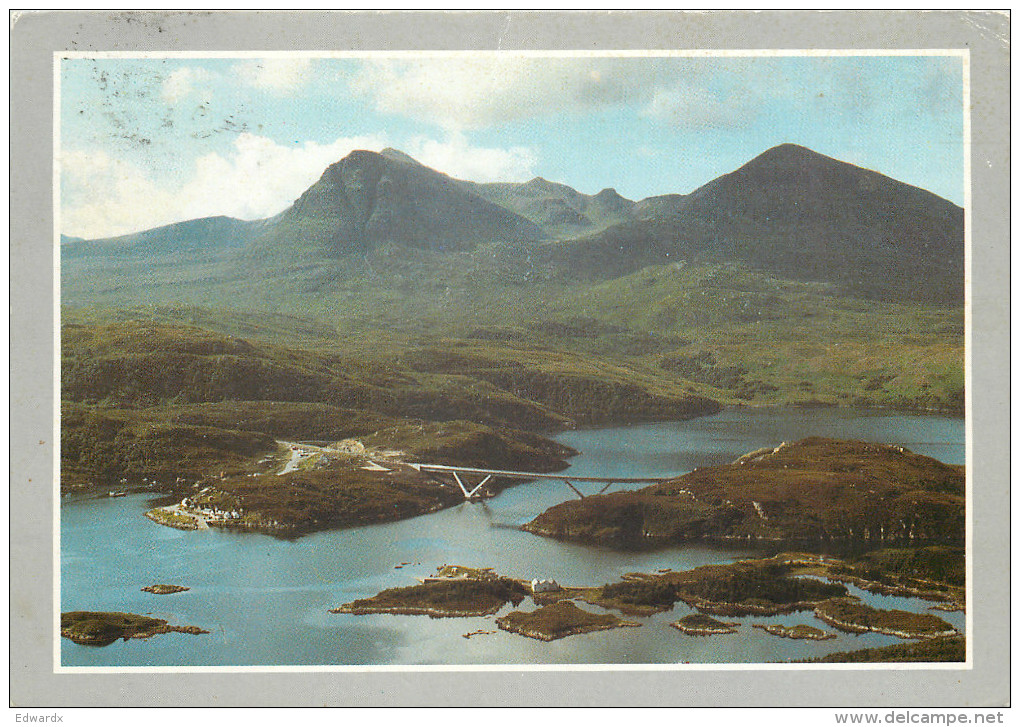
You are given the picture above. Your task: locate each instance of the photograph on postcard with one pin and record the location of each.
(519, 359)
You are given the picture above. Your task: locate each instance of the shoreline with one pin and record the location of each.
(412, 611)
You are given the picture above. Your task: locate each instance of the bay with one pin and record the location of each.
(265, 601)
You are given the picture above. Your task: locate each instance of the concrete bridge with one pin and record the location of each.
(461, 475)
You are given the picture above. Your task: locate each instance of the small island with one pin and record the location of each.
(102, 628)
(443, 597)
(800, 631)
(165, 589)
(557, 621)
(852, 616)
(698, 624)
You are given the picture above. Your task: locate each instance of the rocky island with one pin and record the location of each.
(698, 624)
(852, 616)
(101, 628)
(557, 621)
(447, 596)
(785, 583)
(800, 631)
(165, 589)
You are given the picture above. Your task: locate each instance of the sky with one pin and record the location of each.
(150, 141)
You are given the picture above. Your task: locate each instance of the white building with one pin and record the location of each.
(543, 585)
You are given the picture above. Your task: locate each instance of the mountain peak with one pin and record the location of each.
(372, 198)
(790, 155)
(399, 156)
(789, 148)
(543, 184)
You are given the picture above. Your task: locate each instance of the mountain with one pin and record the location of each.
(797, 214)
(370, 199)
(561, 211)
(362, 204)
(790, 212)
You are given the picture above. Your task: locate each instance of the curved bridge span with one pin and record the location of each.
(462, 474)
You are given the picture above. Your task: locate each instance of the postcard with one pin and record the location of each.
(516, 360)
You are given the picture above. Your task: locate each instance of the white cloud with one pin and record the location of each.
(458, 158)
(102, 196)
(180, 83)
(279, 75)
(473, 92)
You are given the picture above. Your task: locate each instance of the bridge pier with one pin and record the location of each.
(570, 484)
(469, 494)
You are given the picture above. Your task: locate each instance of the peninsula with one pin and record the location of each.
(811, 492)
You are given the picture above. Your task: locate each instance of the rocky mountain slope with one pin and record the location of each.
(799, 215)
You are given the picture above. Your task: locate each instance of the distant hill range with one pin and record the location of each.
(790, 212)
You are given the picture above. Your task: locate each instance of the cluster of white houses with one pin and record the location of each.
(211, 512)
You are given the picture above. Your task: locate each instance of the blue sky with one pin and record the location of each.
(150, 141)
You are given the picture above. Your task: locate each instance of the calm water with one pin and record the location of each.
(266, 601)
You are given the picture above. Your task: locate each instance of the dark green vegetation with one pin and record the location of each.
(342, 495)
(558, 620)
(816, 491)
(101, 446)
(764, 586)
(855, 617)
(750, 587)
(953, 648)
(747, 587)
(912, 566)
(699, 624)
(101, 628)
(441, 599)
